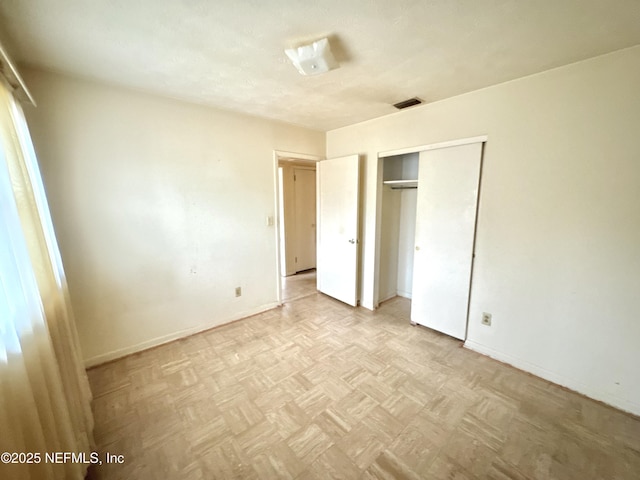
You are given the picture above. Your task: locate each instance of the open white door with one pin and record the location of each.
(338, 209)
(448, 180)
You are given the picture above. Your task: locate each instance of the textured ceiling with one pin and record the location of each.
(229, 53)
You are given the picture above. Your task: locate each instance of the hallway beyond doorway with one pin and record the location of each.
(300, 285)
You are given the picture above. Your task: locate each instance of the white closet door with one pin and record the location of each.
(338, 209)
(448, 180)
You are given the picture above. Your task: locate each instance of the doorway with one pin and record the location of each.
(296, 222)
(299, 285)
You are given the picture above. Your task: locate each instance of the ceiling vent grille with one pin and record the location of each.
(408, 103)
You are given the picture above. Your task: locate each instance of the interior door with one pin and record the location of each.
(305, 223)
(338, 210)
(448, 180)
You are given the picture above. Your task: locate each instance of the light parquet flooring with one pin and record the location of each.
(319, 390)
(299, 285)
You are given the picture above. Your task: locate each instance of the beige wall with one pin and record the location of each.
(160, 209)
(558, 238)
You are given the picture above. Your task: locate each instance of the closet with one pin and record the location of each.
(398, 224)
(428, 218)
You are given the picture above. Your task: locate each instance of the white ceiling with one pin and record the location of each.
(229, 53)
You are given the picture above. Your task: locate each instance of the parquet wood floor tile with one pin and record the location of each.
(299, 285)
(319, 390)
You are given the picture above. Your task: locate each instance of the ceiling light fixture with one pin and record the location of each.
(313, 59)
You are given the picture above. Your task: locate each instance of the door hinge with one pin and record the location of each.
(294, 177)
(296, 259)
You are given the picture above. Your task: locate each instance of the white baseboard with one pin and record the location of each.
(605, 397)
(394, 295)
(154, 342)
(386, 297)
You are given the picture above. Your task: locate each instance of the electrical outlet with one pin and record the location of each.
(238, 291)
(486, 319)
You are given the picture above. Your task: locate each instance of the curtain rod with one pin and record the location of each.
(10, 72)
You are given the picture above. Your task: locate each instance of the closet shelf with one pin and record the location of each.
(400, 184)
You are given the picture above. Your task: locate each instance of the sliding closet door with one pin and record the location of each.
(448, 180)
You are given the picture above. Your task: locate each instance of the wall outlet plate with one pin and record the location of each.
(238, 291)
(486, 319)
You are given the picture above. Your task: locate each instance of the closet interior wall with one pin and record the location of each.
(398, 222)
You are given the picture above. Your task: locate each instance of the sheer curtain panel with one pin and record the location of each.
(44, 392)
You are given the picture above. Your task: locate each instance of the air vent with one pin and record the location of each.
(408, 103)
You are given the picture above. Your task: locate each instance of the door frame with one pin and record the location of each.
(434, 146)
(284, 156)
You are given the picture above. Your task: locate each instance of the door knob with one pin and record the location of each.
(417, 248)
(352, 241)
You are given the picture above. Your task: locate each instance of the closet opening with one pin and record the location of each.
(428, 212)
(398, 225)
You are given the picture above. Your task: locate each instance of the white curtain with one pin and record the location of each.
(44, 392)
